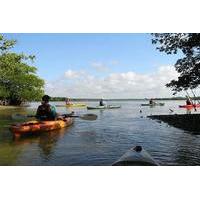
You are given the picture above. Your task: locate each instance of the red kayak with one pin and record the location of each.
(190, 106)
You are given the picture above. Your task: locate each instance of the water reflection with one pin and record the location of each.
(103, 141)
(46, 141)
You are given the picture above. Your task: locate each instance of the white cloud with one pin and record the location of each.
(74, 74)
(115, 85)
(100, 67)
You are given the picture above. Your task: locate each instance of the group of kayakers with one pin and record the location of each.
(68, 102)
(48, 112)
(188, 101)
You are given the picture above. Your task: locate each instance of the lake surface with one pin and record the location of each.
(103, 141)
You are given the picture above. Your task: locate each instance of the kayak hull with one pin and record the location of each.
(39, 126)
(190, 106)
(156, 104)
(103, 107)
(136, 156)
(73, 105)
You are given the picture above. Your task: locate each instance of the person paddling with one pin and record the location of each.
(188, 101)
(151, 102)
(101, 103)
(46, 111)
(68, 101)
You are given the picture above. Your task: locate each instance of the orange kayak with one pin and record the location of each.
(39, 126)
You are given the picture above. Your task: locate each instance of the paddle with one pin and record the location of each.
(195, 96)
(193, 103)
(90, 117)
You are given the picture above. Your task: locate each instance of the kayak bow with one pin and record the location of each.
(136, 156)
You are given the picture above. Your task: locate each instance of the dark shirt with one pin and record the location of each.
(46, 112)
(101, 103)
(188, 102)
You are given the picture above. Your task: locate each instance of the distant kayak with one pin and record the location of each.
(39, 126)
(136, 156)
(73, 105)
(103, 107)
(155, 104)
(190, 106)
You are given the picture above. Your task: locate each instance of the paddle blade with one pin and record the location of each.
(18, 116)
(90, 117)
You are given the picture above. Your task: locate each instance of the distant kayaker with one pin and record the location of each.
(101, 103)
(151, 102)
(188, 101)
(46, 111)
(68, 101)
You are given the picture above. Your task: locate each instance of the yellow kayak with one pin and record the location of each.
(74, 105)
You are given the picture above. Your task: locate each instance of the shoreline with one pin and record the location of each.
(10, 107)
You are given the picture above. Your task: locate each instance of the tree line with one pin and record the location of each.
(19, 82)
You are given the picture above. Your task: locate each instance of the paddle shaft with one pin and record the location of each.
(194, 95)
(189, 97)
(63, 115)
(191, 101)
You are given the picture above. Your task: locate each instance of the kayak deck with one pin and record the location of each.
(39, 126)
(104, 107)
(73, 105)
(136, 156)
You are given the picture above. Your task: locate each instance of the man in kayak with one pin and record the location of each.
(151, 102)
(46, 111)
(68, 101)
(188, 101)
(101, 103)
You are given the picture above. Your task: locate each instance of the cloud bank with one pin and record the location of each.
(81, 84)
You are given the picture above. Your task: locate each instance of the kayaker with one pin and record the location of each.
(68, 101)
(101, 103)
(151, 102)
(46, 111)
(188, 101)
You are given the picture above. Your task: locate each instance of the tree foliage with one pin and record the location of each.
(188, 66)
(18, 80)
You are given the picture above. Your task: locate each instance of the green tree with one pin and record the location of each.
(18, 80)
(187, 66)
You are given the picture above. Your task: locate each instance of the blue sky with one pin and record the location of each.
(98, 55)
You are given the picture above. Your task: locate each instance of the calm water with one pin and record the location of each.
(103, 141)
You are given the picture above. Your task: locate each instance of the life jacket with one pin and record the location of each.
(46, 112)
(188, 102)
